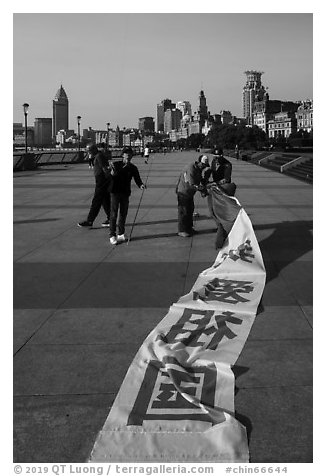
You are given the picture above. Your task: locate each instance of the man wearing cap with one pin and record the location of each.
(122, 173)
(190, 181)
(221, 168)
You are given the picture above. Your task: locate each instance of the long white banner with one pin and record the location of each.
(176, 403)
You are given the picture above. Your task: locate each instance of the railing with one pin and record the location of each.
(35, 158)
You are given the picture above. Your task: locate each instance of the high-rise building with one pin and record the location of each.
(161, 108)
(60, 111)
(172, 120)
(202, 109)
(42, 131)
(252, 91)
(185, 107)
(146, 124)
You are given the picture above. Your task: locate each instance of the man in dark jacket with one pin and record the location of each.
(189, 182)
(123, 171)
(101, 195)
(221, 168)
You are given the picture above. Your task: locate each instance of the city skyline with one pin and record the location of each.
(123, 65)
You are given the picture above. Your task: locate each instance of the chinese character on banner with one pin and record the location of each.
(198, 328)
(170, 391)
(224, 290)
(243, 252)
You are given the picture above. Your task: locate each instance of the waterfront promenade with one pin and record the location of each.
(82, 308)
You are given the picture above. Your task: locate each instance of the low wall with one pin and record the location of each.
(294, 163)
(24, 162)
(31, 161)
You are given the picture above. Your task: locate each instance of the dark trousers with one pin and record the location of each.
(101, 198)
(185, 212)
(119, 205)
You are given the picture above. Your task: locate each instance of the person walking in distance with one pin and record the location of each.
(123, 171)
(90, 161)
(190, 181)
(101, 195)
(237, 152)
(146, 154)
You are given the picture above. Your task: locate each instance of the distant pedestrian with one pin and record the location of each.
(190, 181)
(146, 154)
(237, 152)
(90, 160)
(101, 195)
(123, 171)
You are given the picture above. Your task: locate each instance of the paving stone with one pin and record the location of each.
(298, 276)
(308, 312)
(99, 326)
(71, 369)
(133, 284)
(278, 422)
(52, 429)
(276, 363)
(47, 285)
(281, 322)
(26, 323)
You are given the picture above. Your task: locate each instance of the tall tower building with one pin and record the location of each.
(252, 91)
(161, 108)
(172, 120)
(202, 110)
(42, 131)
(60, 111)
(146, 124)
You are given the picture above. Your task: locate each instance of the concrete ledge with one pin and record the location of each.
(24, 162)
(294, 163)
(267, 159)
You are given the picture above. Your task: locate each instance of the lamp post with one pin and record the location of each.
(25, 106)
(78, 125)
(107, 138)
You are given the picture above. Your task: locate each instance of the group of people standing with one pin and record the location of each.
(195, 177)
(113, 188)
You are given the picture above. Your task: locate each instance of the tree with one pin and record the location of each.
(181, 143)
(194, 141)
(227, 136)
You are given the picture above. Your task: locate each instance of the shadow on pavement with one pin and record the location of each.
(41, 220)
(295, 237)
(246, 422)
(168, 235)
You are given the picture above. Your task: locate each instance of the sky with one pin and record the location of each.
(116, 67)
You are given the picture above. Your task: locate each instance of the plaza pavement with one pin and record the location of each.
(82, 308)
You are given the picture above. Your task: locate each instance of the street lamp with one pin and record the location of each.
(25, 106)
(107, 138)
(78, 124)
